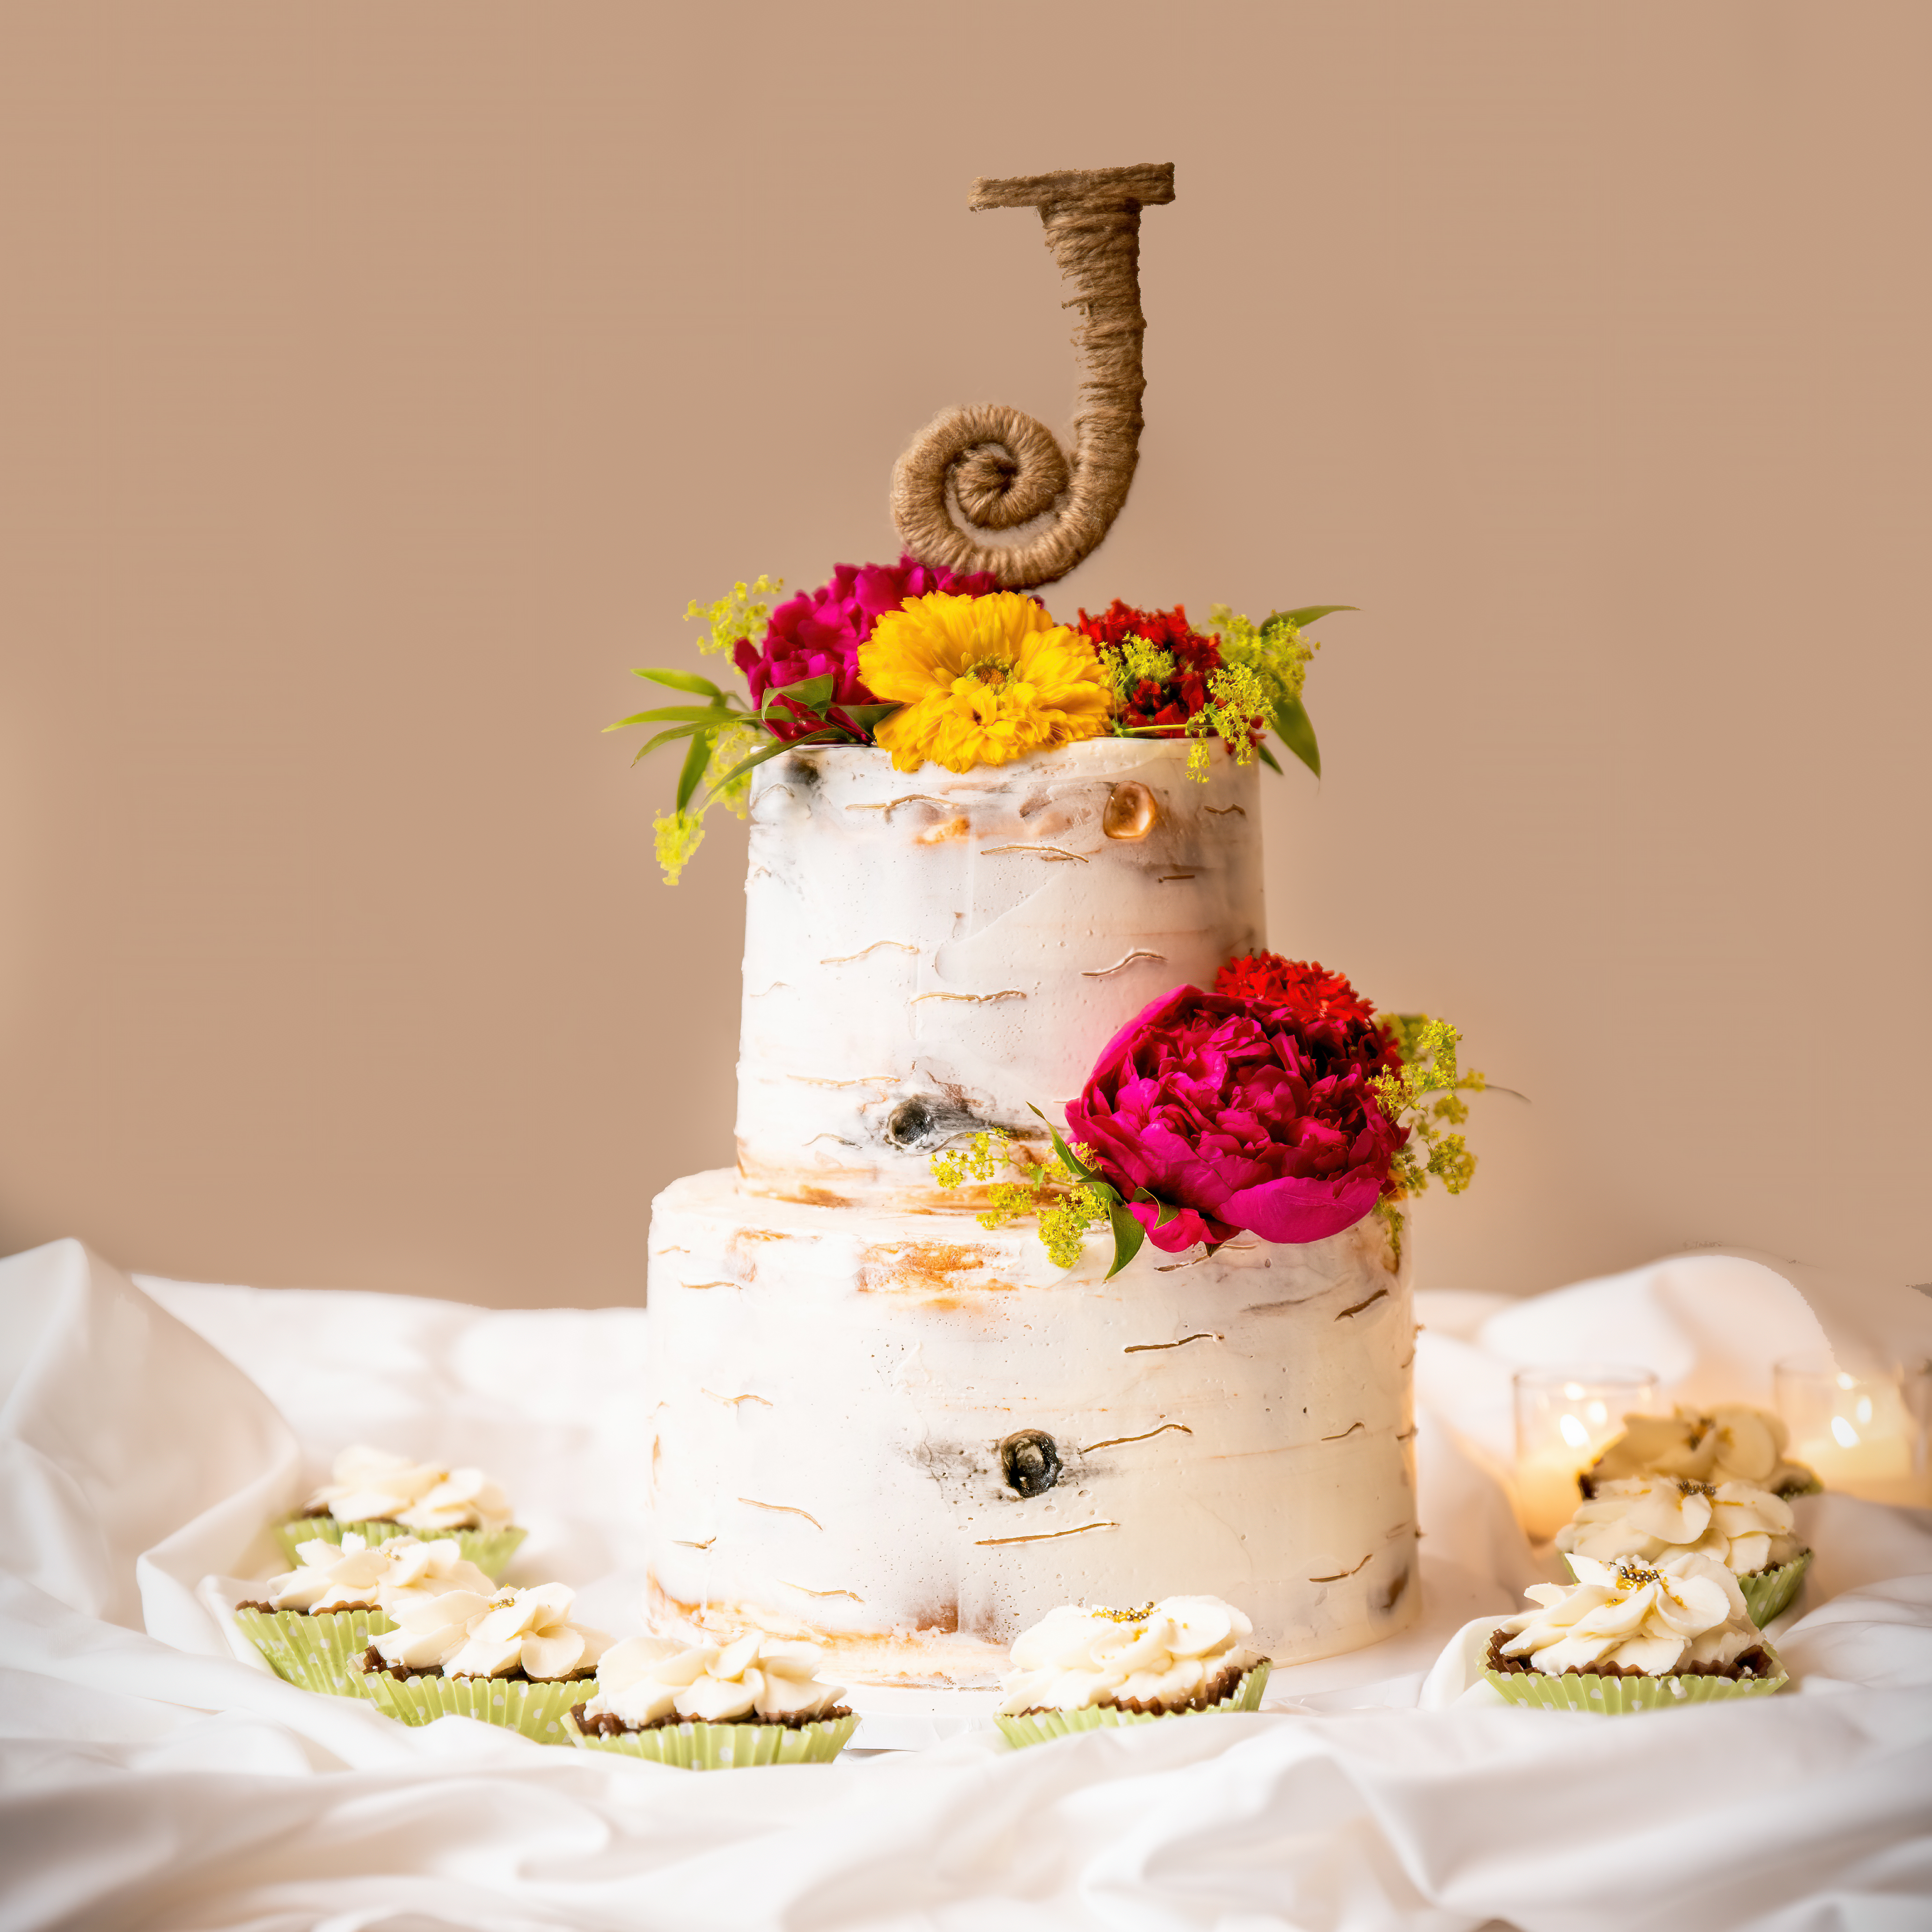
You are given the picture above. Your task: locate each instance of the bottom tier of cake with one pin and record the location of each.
(908, 1438)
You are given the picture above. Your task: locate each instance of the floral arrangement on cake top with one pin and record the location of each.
(933, 666)
(1278, 1105)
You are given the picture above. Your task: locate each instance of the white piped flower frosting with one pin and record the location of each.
(489, 1633)
(1738, 1525)
(1734, 1444)
(1171, 1650)
(646, 1679)
(1658, 1617)
(354, 1575)
(372, 1486)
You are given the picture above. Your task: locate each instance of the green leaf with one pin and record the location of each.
(1297, 731)
(1268, 758)
(666, 714)
(695, 760)
(1309, 613)
(770, 750)
(666, 737)
(813, 693)
(869, 714)
(1163, 1212)
(1128, 1233)
(1071, 1162)
(683, 680)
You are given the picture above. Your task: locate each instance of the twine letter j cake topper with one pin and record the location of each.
(992, 468)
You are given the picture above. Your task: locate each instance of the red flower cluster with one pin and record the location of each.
(1314, 998)
(1236, 1115)
(819, 633)
(1166, 703)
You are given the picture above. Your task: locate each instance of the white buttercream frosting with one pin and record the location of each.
(1732, 1445)
(1658, 1617)
(1239, 1421)
(645, 1680)
(373, 1485)
(489, 1633)
(1171, 1651)
(353, 1574)
(931, 953)
(1738, 1525)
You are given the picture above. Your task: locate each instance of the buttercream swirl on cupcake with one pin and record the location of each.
(1732, 1445)
(646, 1682)
(1684, 1613)
(1737, 1524)
(521, 1634)
(353, 1575)
(1181, 1654)
(373, 1485)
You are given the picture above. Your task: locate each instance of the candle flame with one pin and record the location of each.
(1575, 1434)
(1848, 1436)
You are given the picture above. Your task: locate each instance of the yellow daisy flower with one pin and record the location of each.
(982, 680)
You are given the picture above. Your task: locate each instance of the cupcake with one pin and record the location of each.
(504, 1657)
(1735, 1445)
(1081, 1669)
(756, 1701)
(312, 1623)
(1633, 1635)
(1746, 1529)
(374, 1495)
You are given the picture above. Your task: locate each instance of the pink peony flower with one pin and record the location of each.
(1233, 1111)
(820, 632)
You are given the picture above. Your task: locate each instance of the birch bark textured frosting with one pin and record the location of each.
(832, 1390)
(883, 1429)
(928, 955)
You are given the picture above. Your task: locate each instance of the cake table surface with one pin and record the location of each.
(155, 1777)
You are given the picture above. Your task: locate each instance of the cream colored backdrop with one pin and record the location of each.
(379, 382)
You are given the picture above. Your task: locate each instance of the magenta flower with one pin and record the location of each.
(820, 632)
(1231, 1111)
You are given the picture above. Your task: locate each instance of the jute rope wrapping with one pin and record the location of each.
(1003, 468)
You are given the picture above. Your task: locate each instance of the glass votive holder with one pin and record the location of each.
(1564, 1415)
(1867, 1435)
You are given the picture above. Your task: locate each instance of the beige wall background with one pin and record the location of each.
(379, 383)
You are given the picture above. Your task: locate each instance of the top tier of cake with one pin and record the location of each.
(927, 955)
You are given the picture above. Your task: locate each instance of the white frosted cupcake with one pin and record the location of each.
(1084, 1669)
(374, 1495)
(1634, 1637)
(311, 1623)
(1748, 1529)
(1734, 1444)
(512, 1658)
(708, 1707)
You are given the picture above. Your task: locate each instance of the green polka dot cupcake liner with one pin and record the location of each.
(1040, 1727)
(318, 1653)
(1616, 1696)
(539, 1711)
(1767, 1593)
(490, 1549)
(696, 1746)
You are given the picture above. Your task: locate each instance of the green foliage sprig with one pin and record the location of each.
(1275, 654)
(725, 738)
(1429, 1067)
(1070, 1197)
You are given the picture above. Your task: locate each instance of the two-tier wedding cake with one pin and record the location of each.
(911, 1436)
(1065, 1258)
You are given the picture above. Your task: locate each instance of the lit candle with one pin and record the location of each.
(1563, 1418)
(1865, 1435)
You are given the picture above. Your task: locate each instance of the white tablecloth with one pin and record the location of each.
(152, 1778)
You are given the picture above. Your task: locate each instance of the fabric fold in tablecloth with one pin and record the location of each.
(153, 1779)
